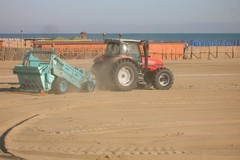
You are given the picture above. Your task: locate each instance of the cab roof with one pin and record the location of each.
(117, 40)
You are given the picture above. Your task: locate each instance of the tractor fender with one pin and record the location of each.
(153, 64)
(117, 59)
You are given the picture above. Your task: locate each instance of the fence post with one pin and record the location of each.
(233, 52)
(209, 52)
(191, 52)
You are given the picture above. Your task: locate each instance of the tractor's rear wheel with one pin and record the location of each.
(163, 79)
(60, 86)
(124, 75)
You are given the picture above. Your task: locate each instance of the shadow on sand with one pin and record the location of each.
(9, 89)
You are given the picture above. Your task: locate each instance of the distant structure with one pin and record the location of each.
(158, 50)
(80, 47)
(78, 44)
(84, 35)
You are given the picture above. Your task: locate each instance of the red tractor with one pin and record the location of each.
(127, 65)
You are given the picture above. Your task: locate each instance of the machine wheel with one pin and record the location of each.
(60, 86)
(163, 79)
(90, 86)
(124, 75)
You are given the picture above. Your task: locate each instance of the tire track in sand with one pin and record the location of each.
(4, 135)
(98, 150)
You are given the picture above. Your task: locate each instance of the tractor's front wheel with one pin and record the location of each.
(124, 75)
(60, 86)
(163, 79)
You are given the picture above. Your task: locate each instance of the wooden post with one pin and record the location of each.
(21, 38)
(209, 52)
(191, 52)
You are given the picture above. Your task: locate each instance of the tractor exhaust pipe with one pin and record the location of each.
(120, 35)
(146, 48)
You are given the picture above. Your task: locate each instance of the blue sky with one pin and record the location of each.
(113, 16)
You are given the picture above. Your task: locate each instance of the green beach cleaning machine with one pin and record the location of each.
(44, 71)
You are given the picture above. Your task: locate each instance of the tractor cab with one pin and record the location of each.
(122, 47)
(135, 50)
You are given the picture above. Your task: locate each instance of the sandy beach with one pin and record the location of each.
(198, 118)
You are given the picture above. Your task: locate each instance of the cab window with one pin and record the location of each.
(133, 50)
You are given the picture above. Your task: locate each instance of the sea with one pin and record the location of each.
(156, 37)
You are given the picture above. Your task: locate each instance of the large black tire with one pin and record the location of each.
(124, 75)
(60, 86)
(163, 79)
(89, 86)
